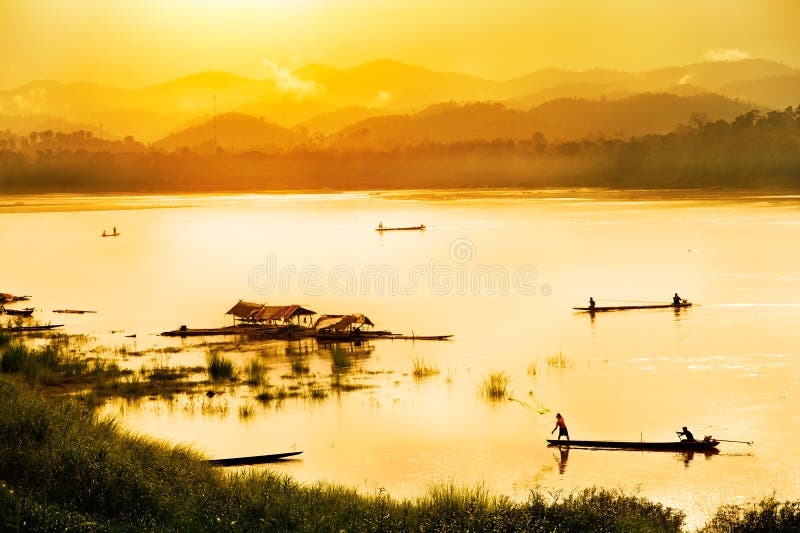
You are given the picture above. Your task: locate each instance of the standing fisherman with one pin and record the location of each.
(561, 426)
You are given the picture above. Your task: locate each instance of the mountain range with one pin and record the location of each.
(384, 102)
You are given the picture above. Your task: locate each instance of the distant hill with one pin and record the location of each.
(776, 91)
(394, 85)
(334, 121)
(562, 119)
(234, 132)
(286, 111)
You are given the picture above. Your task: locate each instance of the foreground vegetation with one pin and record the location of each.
(63, 468)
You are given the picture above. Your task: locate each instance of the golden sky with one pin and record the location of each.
(136, 42)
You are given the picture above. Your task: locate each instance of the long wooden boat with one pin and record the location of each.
(73, 311)
(253, 459)
(404, 228)
(32, 328)
(599, 309)
(421, 337)
(674, 446)
(18, 312)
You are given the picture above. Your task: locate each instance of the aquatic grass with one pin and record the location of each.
(421, 369)
(300, 366)
(495, 386)
(219, 367)
(256, 372)
(559, 361)
(316, 392)
(533, 367)
(246, 410)
(267, 393)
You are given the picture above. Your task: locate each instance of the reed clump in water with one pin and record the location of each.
(533, 367)
(559, 361)
(422, 370)
(495, 386)
(300, 366)
(256, 372)
(219, 367)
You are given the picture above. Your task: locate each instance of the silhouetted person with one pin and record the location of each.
(561, 426)
(685, 433)
(591, 304)
(115, 232)
(676, 300)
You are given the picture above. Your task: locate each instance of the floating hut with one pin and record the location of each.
(254, 314)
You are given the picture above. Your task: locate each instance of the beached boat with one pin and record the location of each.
(674, 446)
(253, 459)
(403, 228)
(599, 309)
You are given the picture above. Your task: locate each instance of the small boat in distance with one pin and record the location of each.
(382, 228)
(599, 308)
(675, 446)
(114, 233)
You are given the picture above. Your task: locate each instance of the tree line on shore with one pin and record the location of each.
(753, 150)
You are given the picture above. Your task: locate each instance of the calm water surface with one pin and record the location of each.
(729, 367)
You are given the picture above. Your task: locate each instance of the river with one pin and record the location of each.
(500, 271)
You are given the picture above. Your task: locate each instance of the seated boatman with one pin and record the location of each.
(676, 300)
(685, 433)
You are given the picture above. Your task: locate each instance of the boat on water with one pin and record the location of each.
(28, 311)
(110, 234)
(674, 446)
(382, 228)
(603, 308)
(253, 459)
(32, 328)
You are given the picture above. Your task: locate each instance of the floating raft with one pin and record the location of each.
(599, 309)
(679, 446)
(252, 460)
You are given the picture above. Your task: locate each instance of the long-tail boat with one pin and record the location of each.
(599, 308)
(673, 446)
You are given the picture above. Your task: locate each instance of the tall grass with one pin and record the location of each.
(219, 367)
(421, 369)
(559, 361)
(495, 386)
(768, 515)
(256, 372)
(300, 366)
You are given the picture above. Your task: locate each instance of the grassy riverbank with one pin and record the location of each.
(63, 468)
